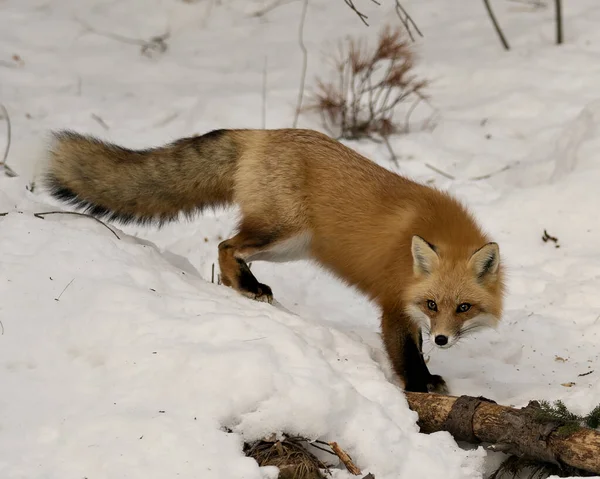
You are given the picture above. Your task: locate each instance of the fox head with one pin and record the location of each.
(454, 294)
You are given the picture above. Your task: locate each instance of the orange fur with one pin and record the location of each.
(304, 195)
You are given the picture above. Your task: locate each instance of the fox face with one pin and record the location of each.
(454, 294)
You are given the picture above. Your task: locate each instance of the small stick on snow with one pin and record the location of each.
(264, 95)
(489, 175)
(345, 458)
(304, 61)
(499, 32)
(271, 6)
(156, 43)
(100, 121)
(322, 448)
(390, 149)
(1, 328)
(559, 22)
(437, 170)
(7, 169)
(61, 293)
(41, 216)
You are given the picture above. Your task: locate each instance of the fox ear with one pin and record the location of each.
(425, 259)
(485, 261)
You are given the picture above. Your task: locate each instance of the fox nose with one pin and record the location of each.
(441, 340)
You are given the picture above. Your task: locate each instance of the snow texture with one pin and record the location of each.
(119, 358)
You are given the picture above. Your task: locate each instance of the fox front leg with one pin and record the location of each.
(403, 342)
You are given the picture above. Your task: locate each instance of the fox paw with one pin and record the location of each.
(436, 384)
(262, 293)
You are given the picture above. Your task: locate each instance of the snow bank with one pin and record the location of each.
(117, 363)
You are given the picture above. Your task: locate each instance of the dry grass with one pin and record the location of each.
(370, 84)
(289, 455)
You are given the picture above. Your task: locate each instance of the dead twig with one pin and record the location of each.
(546, 237)
(390, 149)
(100, 121)
(559, 22)
(490, 12)
(264, 95)
(361, 15)
(345, 458)
(489, 175)
(404, 17)
(437, 170)
(271, 6)
(154, 44)
(304, 61)
(407, 20)
(61, 293)
(7, 169)
(41, 216)
(1, 328)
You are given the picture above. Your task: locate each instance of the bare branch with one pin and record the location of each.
(407, 20)
(154, 44)
(61, 293)
(496, 25)
(559, 22)
(361, 15)
(390, 149)
(41, 216)
(7, 169)
(489, 175)
(271, 6)
(304, 61)
(437, 170)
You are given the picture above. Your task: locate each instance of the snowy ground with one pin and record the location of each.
(134, 368)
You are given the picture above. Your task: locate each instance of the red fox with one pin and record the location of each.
(412, 249)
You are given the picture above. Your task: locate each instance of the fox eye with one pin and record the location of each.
(463, 308)
(431, 305)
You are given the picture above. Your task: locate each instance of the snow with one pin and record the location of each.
(120, 358)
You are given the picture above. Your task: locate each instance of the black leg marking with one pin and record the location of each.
(416, 373)
(418, 377)
(249, 283)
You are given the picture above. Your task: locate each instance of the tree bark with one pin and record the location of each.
(510, 430)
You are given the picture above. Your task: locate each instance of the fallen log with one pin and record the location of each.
(519, 432)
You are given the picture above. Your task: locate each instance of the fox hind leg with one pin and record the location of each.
(235, 272)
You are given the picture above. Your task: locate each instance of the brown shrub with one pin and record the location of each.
(370, 83)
